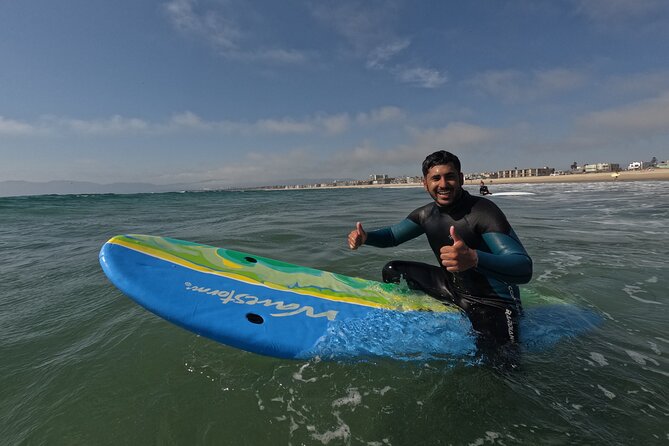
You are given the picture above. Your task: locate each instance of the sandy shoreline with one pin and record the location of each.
(632, 175)
(639, 175)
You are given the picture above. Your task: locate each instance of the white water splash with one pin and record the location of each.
(633, 290)
(599, 359)
(607, 393)
(641, 359)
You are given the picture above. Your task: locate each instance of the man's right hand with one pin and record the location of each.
(357, 237)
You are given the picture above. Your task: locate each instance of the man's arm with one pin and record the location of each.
(384, 237)
(507, 260)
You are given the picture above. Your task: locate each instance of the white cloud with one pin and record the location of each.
(11, 127)
(380, 115)
(378, 56)
(644, 118)
(637, 83)
(116, 125)
(221, 24)
(369, 28)
(423, 77)
(518, 86)
(283, 126)
(454, 136)
(188, 121)
(220, 30)
(608, 11)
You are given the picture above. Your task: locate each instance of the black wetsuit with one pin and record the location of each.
(483, 190)
(487, 293)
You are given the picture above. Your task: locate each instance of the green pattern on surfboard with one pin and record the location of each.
(282, 275)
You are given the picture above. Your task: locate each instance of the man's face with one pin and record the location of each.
(444, 184)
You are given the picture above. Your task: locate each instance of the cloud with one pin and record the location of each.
(369, 29)
(379, 56)
(454, 136)
(222, 25)
(11, 127)
(320, 123)
(424, 77)
(517, 86)
(637, 83)
(644, 118)
(607, 12)
(116, 125)
(220, 30)
(380, 115)
(54, 126)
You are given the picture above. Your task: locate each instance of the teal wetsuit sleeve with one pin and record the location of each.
(394, 235)
(508, 261)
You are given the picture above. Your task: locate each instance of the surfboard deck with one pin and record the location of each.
(283, 310)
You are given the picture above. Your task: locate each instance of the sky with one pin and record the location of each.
(218, 93)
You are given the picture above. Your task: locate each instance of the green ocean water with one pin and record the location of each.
(83, 365)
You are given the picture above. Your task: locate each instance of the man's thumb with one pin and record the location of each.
(358, 227)
(454, 235)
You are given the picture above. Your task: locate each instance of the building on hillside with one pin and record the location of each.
(522, 173)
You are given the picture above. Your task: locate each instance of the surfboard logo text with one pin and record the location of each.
(290, 309)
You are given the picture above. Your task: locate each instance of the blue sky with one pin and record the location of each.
(230, 92)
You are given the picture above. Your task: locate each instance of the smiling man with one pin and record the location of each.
(481, 259)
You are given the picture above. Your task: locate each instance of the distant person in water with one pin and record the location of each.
(483, 189)
(481, 260)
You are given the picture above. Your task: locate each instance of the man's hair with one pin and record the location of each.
(439, 158)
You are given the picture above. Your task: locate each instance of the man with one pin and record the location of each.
(482, 260)
(483, 189)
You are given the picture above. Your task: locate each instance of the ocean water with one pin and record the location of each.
(83, 365)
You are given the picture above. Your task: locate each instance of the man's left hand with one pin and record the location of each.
(458, 257)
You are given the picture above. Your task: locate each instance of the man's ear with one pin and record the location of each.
(424, 182)
(462, 179)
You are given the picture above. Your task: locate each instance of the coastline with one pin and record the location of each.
(625, 175)
(638, 175)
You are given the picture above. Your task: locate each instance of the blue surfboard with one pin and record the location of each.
(282, 310)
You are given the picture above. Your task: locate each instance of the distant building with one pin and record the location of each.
(601, 167)
(379, 179)
(522, 173)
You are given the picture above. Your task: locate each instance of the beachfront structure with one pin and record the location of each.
(601, 167)
(522, 173)
(379, 179)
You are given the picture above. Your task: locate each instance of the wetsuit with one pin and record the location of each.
(488, 293)
(483, 190)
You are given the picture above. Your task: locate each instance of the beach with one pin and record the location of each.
(626, 175)
(631, 175)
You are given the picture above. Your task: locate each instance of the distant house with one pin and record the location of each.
(602, 167)
(522, 173)
(379, 179)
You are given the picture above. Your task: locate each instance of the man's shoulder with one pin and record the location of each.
(489, 217)
(418, 215)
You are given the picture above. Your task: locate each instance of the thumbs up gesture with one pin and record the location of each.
(458, 257)
(357, 237)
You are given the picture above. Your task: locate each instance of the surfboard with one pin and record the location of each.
(283, 310)
(511, 194)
